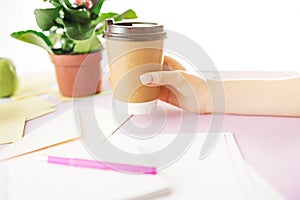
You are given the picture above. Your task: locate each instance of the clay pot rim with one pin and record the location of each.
(76, 59)
(76, 54)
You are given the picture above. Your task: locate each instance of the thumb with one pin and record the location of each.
(172, 78)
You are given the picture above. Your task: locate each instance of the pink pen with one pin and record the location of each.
(94, 164)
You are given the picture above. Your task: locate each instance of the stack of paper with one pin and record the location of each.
(222, 175)
(13, 115)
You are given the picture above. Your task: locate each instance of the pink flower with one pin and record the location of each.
(88, 4)
(79, 2)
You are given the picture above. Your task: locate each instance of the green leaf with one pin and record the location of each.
(97, 6)
(80, 15)
(128, 14)
(55, 37)
(45, 18)
(34, 37)
(105, 16)
(99, 30)
(76, 15)
(78, 31)
(87, 46)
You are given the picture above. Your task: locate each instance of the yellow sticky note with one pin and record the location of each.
(39, 114)
(14, 113)
(11, 129)
(33, 85)
(26, 107)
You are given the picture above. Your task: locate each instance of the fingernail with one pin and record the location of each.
(146, 78)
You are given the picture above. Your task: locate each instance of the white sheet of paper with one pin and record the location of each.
(215, 177)
(222, 175)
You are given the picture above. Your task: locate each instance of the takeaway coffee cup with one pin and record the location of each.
(134, 48)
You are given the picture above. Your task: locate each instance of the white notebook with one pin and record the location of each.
(29, 179)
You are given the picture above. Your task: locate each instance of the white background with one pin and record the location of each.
(237, 34)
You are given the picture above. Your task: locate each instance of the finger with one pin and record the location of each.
(172, 64)
(171, 78)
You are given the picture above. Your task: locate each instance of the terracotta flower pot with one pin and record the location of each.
(78, 75)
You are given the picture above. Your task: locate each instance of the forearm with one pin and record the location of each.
(260, 97)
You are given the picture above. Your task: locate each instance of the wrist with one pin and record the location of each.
(215, 97)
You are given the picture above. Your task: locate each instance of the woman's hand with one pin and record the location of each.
(179, 88)
(246, 97)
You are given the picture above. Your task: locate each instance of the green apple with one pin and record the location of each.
(8, 78)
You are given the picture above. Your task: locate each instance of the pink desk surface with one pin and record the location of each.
(271, 145)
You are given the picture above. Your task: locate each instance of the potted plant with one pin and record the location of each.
(69, 33)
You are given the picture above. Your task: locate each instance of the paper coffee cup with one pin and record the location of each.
(134, 48)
